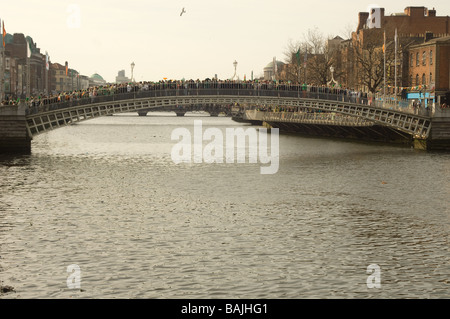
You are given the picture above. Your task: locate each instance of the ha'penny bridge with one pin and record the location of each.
(316, 112)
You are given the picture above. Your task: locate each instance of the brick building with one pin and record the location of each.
(21, 69)
(413, 22)
(62, 82)
(414, 26)
(17, 70)
(16, 64)
(38, 75)
(57, 77)
(429, 65)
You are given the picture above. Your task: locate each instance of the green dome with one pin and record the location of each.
(97, 77)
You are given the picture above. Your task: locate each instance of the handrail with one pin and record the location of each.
(222, 89)
(324, 118)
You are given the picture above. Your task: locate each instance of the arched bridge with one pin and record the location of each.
(235, 99)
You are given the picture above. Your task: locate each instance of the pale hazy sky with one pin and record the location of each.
(203, 42)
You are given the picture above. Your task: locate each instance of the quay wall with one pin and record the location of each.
(14, 137)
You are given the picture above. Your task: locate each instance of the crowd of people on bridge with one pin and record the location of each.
(112, 89)
(186, 87)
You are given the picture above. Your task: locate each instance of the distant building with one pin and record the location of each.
(121, 78)
(16, 66)
(59, 80)
(37, 69)
(84, 82)
(24, 63)
(334, 45)
(269, 72)
(73, 80)
(96, 80)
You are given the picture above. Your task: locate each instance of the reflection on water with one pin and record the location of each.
(105, 195)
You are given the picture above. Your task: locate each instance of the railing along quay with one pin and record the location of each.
(315, 118)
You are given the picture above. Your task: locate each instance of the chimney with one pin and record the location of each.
(19, 38)
(428, 36)
(415, 12)
(362, 17)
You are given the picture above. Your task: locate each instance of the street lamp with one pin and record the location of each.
(332, 81)
(132, 68)
(235, 66)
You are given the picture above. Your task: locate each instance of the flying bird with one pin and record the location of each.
(182, 11)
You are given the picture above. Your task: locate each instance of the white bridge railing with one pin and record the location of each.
(47, 117)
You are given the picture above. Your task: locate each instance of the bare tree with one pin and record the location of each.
(348, 31)
(315, 41)
(292, 69)
(309, 60)
(305, 59)
(370, 60)
(320, 65)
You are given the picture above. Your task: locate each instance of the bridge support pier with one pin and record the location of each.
(420, 144)
(439, 138)
(14, 137)
(142, 113)
(180, 113)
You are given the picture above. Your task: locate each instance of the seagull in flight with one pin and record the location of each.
(182, 11)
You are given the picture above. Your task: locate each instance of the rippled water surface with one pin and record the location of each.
(105, 195)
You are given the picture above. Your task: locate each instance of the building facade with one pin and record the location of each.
(59, 81)
(26, 72)
(414, 26)
(429, 65)
(413, 22)
(121, 78)
(271, 72)
(96, 80)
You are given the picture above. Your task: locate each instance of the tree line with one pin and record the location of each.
(356, 63)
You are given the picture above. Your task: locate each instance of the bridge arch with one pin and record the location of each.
(418, 126)
(48, 117)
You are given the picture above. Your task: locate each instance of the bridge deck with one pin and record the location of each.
(43, 117)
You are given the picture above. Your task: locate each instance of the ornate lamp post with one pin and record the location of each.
(332, 81)
(132, 68)
(235, 67)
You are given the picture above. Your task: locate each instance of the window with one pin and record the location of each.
(411, 80)
(424, 80)
(417, 79)
(411, 62)
(424, 58)
(431, 78)
(417, 59)
(431, 57)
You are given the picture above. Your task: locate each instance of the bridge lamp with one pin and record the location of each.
(235, 66)
(332, 81)
(132, 68)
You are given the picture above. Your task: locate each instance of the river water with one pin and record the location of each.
(105, 195)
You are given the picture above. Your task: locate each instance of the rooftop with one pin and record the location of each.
(270, 65)
(97, 77)
(434, 41)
